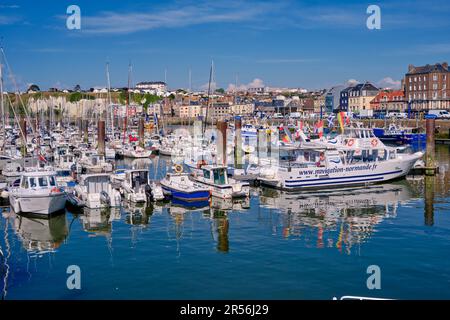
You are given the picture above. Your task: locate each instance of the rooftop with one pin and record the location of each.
(438, 67)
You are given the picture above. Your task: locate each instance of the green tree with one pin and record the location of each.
(75, 97)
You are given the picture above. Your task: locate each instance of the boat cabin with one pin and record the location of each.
(137, 178)
(215, 174)
(95, 183)
(36, 180)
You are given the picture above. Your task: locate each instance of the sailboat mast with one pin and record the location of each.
(190, 93)
(109, 101)
(209, 93)
(128, 102)
(2, 104)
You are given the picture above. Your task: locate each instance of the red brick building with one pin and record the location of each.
(427, 87)
(392, 101)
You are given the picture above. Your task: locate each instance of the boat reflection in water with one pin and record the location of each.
(98, 222)
(220, 226)
(40, 235)
(336, 218)
(237, 204)
(138, 214)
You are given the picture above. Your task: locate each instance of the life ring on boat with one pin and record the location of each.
(178, 168)
(351, 142)
(374, 142)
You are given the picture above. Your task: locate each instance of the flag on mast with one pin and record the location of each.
(341, 120)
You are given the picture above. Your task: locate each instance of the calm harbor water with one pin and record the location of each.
(275, 246)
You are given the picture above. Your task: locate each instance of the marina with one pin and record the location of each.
(287, 205)
(231, 157)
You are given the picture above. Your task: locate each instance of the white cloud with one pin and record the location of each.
(352, 82)
(205, 86)
(255, 83)
(388, 82)
(200, 13)
(9, 6)
(8, 19)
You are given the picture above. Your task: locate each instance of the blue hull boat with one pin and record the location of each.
(179, 186)
(400, 136)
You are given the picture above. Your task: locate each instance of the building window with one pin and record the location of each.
(415, 79)
(434, 77)
(424, 87)
(409, 80)
(410, 88)
(434, 86)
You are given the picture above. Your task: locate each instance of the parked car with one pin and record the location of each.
(439, 114)
(295, 115)
(277, 116)
(397, 115)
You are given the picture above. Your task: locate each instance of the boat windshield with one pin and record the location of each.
(63, 173)
(220, 176)
(38, 182)
(139, 178)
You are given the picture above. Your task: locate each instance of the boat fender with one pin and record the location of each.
(55, 189)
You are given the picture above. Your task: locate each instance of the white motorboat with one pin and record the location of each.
(64, 178)
(110, 153)
(66, 161)
(12, 170)
(96, 191)
(217, 180)
(91, 162)
(136, 152)
(249, 130)
(355, 163)
(136, 185)
(37, 193)
(118, 176)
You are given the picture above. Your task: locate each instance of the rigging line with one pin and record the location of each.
(17, 120)
(17, 89)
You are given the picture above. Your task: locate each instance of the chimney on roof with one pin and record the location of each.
(445, 65)
(410, 67)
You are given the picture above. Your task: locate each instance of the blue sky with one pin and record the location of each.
(310, 44)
